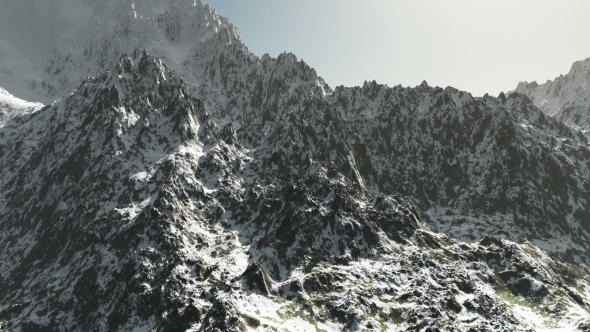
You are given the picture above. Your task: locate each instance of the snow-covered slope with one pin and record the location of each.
(47, 54)
(567, 98)
(179, 182)
(10, 107)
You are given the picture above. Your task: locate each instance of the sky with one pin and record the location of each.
(472, 45)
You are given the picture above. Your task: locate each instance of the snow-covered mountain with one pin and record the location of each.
(175, 181)
(567, 97)
(46, 55)
(10, 107)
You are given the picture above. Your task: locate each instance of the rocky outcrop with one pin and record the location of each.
(256, 279)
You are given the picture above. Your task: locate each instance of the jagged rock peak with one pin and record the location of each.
(580, 67)
(567, 97)
(92, 34)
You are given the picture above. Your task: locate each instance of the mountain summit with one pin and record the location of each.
(174, 181)
(59, 44)
(567, 97)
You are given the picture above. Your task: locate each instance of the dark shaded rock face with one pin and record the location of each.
(252, 196)
(223, 317)
(256, 279)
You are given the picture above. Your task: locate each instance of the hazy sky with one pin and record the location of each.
(477, 46)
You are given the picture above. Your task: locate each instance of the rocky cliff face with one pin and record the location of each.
(227, 192)
(567, 98)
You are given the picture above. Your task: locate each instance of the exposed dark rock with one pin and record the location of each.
(257, 280)
(222, 317)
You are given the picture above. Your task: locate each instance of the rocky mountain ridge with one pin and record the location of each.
(144, 214)
(231, 192)
(567, 98)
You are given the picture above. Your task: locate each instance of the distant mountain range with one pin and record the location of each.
(167, 179)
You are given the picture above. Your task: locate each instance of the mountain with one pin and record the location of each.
(176, 182)
(46, 56)
(567, 98)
